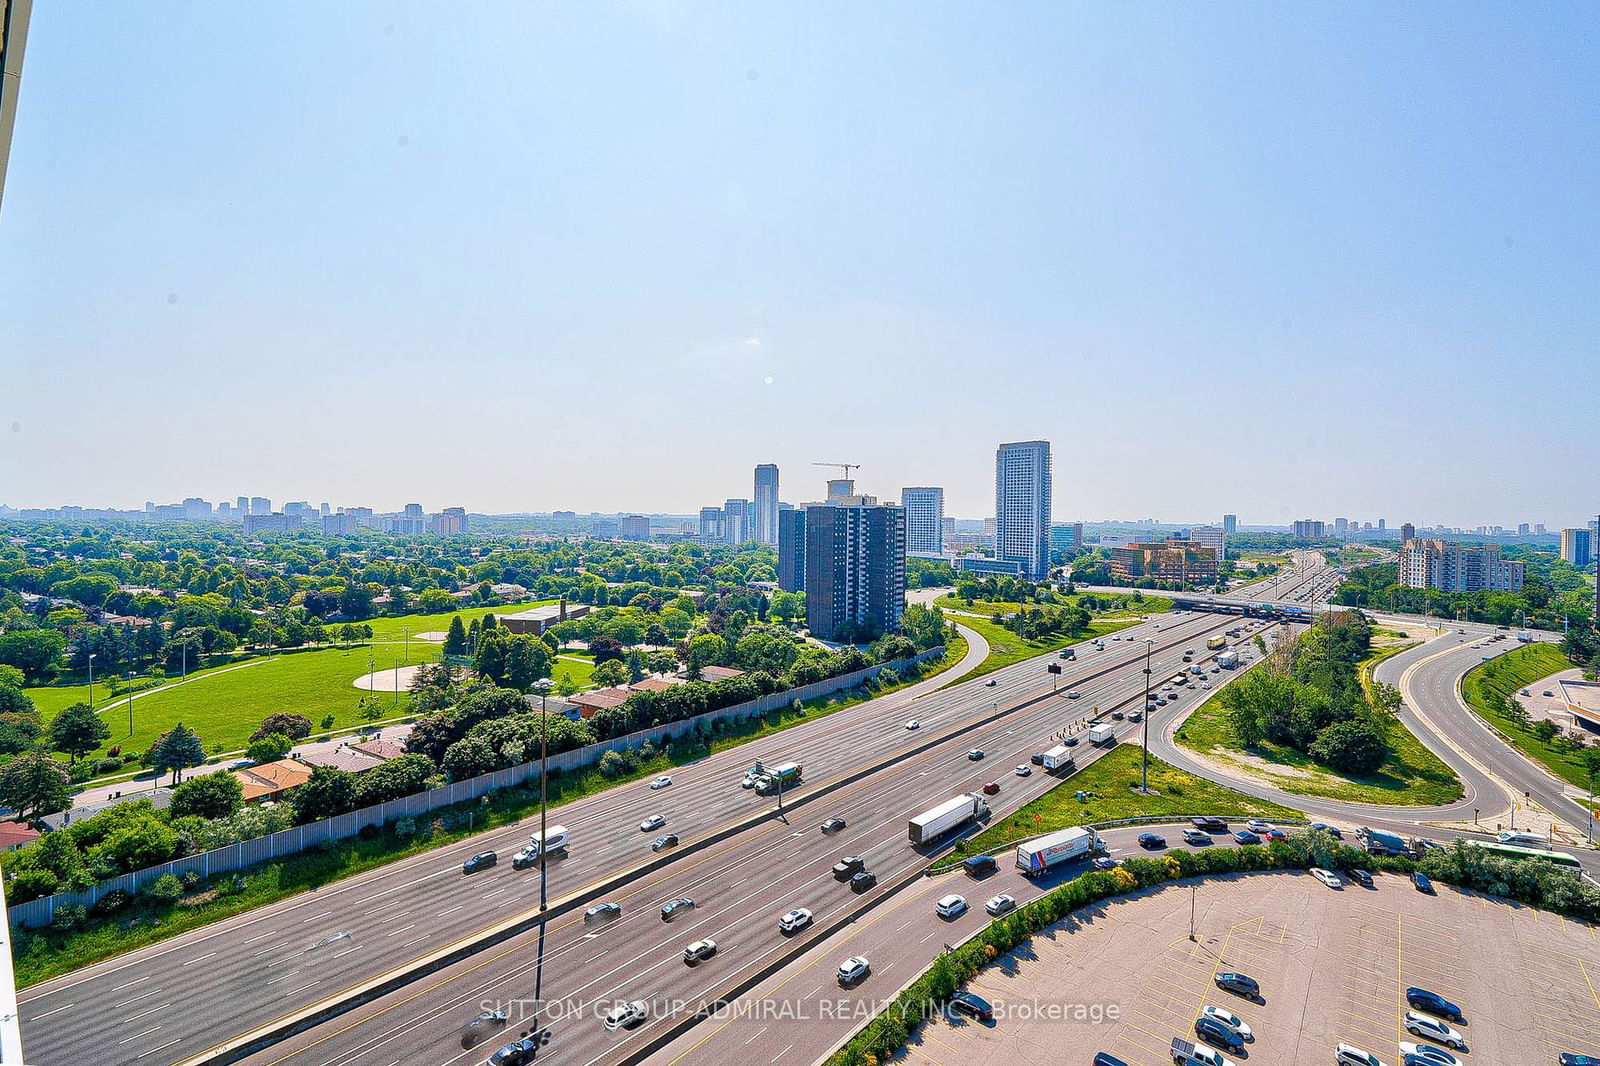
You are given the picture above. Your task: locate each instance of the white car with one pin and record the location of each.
(1327, 877)
(1428, 1053)
(914, 724)
(625, 1015)
(950, 906)
(1350, 1055)
(661, 782)
(1001, 904)
(1024, 770)
(655, 821)
(854, 969)
(700, 949)
(1073, 694)
(1230, 1019)
(1257, 825)
(1435, 1030)
(795, 920)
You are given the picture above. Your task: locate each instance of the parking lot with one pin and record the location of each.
(1333, 966)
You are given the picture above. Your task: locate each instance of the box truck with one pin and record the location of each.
(1228, 660)
(937, 821)
(1217, 643)
(1058, 758)
(1041, 854)
(1101, 734)
(557, 836)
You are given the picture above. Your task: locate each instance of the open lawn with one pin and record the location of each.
(394, 628)
(1006, 648)
(1411, 776)
(1109, 784)
(1508, 675)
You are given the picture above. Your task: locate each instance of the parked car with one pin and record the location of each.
(1433, 1029)
(863, 881)
(673, 907)
(665, 840)
(625, 1015)
(481, 861)
(1238, 983)
(1230, 1019)
(652, 823)
(980, 865)
(1197, 838)
(1001, 904)
(1427, 1053)
(602, 912)
(992, 788)
(1152, 840)
(1332, 830)
(1210, 824)
(1216, 1033)
(1433, 1003)
(951, 906)
(1359, 876)
(1105, 1058)
(1569, 1058)
(1258, 825)
(661, 782)
(1276, 834)
(973, 1006)
(1350, 1055)
(1420, 879)
(1327, 877)
(699, 951)
(794, 921)
(1246, 836)
(853, 970)
(833, 825)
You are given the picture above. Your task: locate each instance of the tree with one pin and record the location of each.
(1349, 746)
(397, 777)
(610, 673)
(293, 726)
(215, 795)
(527, 660)
(326, 793)
(455, 638)
(77, 731)
(34, 785)
(604, 648)
(177, 749)
(35, 652)
(269, 748)
(1545, 730)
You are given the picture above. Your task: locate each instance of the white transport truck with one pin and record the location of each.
(1040, 854)
(1058, 758)
(957, 811)
(1102, 734)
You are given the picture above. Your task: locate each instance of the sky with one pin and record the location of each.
(1277, 260)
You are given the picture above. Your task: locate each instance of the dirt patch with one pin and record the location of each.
(387, 680)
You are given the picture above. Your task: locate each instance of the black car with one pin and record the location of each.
(1071, 742)
(972, 1006)
(1210, 825)
(1152, 840)
(1215, 1033)
(975, 754)
(674, 906)
(848, 867)
(1105, 1058)
(1237, 983)
(1433, 1003)
(1420, 879)
(1359, 876)
(833, 825)
(602, 912)
(514, 1054)
(666, 840)
(863, 881)
(481, 861)
(1037, 759)
(980, 865)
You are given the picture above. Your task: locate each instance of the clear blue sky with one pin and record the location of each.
(1281, 260)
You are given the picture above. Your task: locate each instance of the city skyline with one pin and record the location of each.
(990, 233)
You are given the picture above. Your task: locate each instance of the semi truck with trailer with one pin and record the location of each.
(1041, 854)
(953, 813)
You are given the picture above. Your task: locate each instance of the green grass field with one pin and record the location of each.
(1110, 784)
(1006, 648)
(1509, 674)
(394, 628)
(1411, 776)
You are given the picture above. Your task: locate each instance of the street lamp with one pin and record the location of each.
(91, 681)
(542, 687)
(1144, 767)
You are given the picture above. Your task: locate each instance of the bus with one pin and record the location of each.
(1516, 851)
(1217, 643)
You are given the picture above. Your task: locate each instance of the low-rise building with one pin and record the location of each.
(536, 620)
(1184, 562)
(271, 780)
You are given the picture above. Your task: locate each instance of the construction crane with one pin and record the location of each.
(846, 467)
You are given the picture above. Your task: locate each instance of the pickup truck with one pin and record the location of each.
(1185, 1053)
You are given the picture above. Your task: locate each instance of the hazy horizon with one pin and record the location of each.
(1284, 262)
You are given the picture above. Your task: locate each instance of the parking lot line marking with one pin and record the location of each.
(1585, 971)
(1400, 998)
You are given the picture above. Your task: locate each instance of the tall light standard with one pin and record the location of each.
(91, 681)
(1144, 767)
(542, 687)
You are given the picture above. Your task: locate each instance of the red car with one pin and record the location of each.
(991, 788)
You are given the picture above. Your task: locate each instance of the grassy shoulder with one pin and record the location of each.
(1411, 776)
(43, 954)
(1490, 687)
(1110, 784)
(1006, 648)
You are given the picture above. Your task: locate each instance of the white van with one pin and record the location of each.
(1525, 840)
(557, 836)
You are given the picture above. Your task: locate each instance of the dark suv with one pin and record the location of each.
(848, 867)
(1237, 983)
(1214, 1032)
(1433, 1003)
(1210, 825)
(980, 865)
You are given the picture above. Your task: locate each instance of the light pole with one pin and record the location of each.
(91, 681)
(1144, 766)
(542, 687)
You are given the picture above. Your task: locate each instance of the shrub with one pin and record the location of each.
(32, 884)
(107, 766)
(112, 902)
(405, 825)
(69, 916)
(166, 889)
